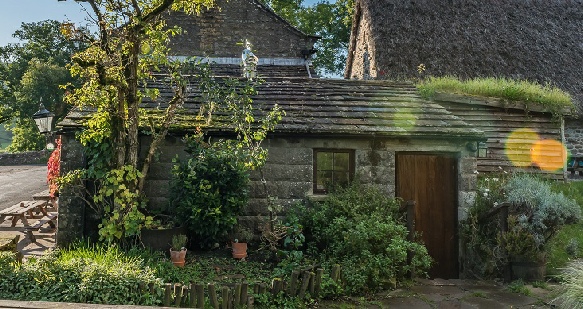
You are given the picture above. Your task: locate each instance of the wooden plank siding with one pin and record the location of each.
(508, 128)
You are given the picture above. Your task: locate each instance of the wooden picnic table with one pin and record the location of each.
(23, 212)
(45, 196)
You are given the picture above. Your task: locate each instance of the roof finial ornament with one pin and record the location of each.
(249, 61)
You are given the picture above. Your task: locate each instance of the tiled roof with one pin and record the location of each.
(329, 106)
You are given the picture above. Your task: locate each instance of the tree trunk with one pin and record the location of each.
(133, 101)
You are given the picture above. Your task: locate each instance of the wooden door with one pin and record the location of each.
(431, 181)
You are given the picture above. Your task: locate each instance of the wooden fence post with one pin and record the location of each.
(199, 295)
(305, 283)
(318, 281)
(293, 286)
(336, 273)
(311, 285)
(244, 292)
(237, 298)
(225, 295)
(177, 294)
(213, 296)
(167, 294)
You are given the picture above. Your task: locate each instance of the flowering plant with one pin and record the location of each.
(53, 169)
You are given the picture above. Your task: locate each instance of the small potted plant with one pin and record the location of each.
(178, 250)
(242, 235)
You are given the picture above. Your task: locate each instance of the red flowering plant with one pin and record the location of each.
(53, 169)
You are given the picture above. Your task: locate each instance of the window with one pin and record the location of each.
(332, 167)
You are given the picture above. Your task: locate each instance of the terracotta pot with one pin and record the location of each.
(239, 250)
(178, 257)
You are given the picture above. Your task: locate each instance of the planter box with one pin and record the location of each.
(160, 239)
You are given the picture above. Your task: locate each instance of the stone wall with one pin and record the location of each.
(217, 32)
(71, 226)
(22, 158)
(289, 173)
(574, 137)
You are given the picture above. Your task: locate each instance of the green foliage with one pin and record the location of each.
(540, 212)
(361, 229)
(122, 206)
(30, 70)
(178, 242)
(86, 274)
(331, 21)
(572, 286)
(553, 98)
(209, 190)
(537, 213)
(519, 287)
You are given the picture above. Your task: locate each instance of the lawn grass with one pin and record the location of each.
(551, 97)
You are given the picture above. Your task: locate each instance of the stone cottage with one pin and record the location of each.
(534, 40)
(381, 132)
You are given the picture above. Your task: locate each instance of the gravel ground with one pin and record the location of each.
(19, 183)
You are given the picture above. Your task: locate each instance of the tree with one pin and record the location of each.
(32, 70)
(331, 21)
(129, 52)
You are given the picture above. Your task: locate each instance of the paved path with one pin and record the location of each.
(19, 183)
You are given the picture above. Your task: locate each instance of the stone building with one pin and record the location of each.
(381, 132)
(534, 40)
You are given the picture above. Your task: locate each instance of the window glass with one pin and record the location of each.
(332, 168)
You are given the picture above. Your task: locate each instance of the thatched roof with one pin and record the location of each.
(329, 107)
(539, 40)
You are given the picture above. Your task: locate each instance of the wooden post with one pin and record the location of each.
(192, 296)
(305, 283)
(225, 295)
(185, 293)
(177, 294)
(318, 282)
(213, 296)
(199, 295)
(167, 294)
(293, 286)
(336, 273)
(142, 287)
(262, 288)
(151, 286)
(244, 292)
(311, 285)
(276, 286)
(237, 298)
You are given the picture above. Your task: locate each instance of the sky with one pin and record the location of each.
(14, 12)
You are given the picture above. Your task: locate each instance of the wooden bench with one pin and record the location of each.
(50, 219)
(24, 211)
(45, 196)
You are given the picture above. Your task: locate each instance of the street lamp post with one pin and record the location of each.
(44, 121)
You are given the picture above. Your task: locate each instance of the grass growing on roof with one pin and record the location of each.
(509, 89)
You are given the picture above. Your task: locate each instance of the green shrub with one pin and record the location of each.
(540, 211)
(209, 190)
(536, 215)
(86, 274)
(360, 228)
